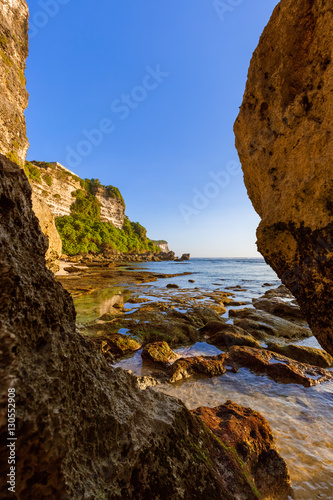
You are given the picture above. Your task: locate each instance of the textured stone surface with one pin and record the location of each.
(84, 429)
(284, 140)
(309, 355)
(249, 435)
(258, 323)
(14, 97)
(47, 225)
(278, 367)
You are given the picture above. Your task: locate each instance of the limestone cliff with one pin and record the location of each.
(46, 222)
(55, 185)
(83, 428)
(284, 139)
(14, 97)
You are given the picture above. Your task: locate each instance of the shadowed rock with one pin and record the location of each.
(84, 429)
(284, 140)
(308, 355)
(278, 367)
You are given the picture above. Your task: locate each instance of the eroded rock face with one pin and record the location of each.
(284, 140)
(249, 435)
(47, 225)
(84, 429)
(14, 97)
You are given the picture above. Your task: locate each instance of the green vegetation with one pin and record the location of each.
(86, 204)
(114, 192)
(12, 156)
(48, 179)
(32, 172)
(57, 196)
(83, 233)
(22, 77)
(6, 59)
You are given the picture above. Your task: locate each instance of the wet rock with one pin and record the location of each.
(119, 345)
(227, 339)
(236, 303)
(158, 353)
(249, 435)
(191, 281)
(138, 300)
(202, 315)
(145, 382)
(283, 136)
(184, 368)
(308, 355)
(260, 323)
(279, 368)
(278, 307)
(172, 285)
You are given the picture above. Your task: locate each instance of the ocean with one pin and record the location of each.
(301, 418)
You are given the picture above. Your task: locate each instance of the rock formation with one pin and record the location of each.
(47, 225)
(14, 97)
(54, 185)
(284, 139)
(83, 428)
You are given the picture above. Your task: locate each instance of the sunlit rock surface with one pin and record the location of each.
(284, 139)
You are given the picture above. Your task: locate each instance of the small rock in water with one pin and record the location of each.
(184, 368)
(159, 353)
(250, 436)
(172, 285)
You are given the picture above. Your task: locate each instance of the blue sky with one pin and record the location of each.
(143, 95)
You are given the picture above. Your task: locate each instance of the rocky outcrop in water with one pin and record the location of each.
(14, 97)
(284, 140)
(83, 428)
(250, 436)
(47, 225)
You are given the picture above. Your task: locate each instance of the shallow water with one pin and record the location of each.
(301, 418)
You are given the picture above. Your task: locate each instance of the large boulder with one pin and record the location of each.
(47, 225)
(284, 139)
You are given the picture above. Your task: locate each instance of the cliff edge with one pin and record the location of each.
(284, 139)
(14, 16)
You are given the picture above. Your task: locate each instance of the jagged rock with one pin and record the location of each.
(86, 430)
(250, 437)
(57, 185)
(159, 353)
(283, 136)
(213, 327)
(260, 324)
(119, 345)
(47, 225)
(14, 97)
(278, 307)
(308, 355)
(280, 368)
(199, 365)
